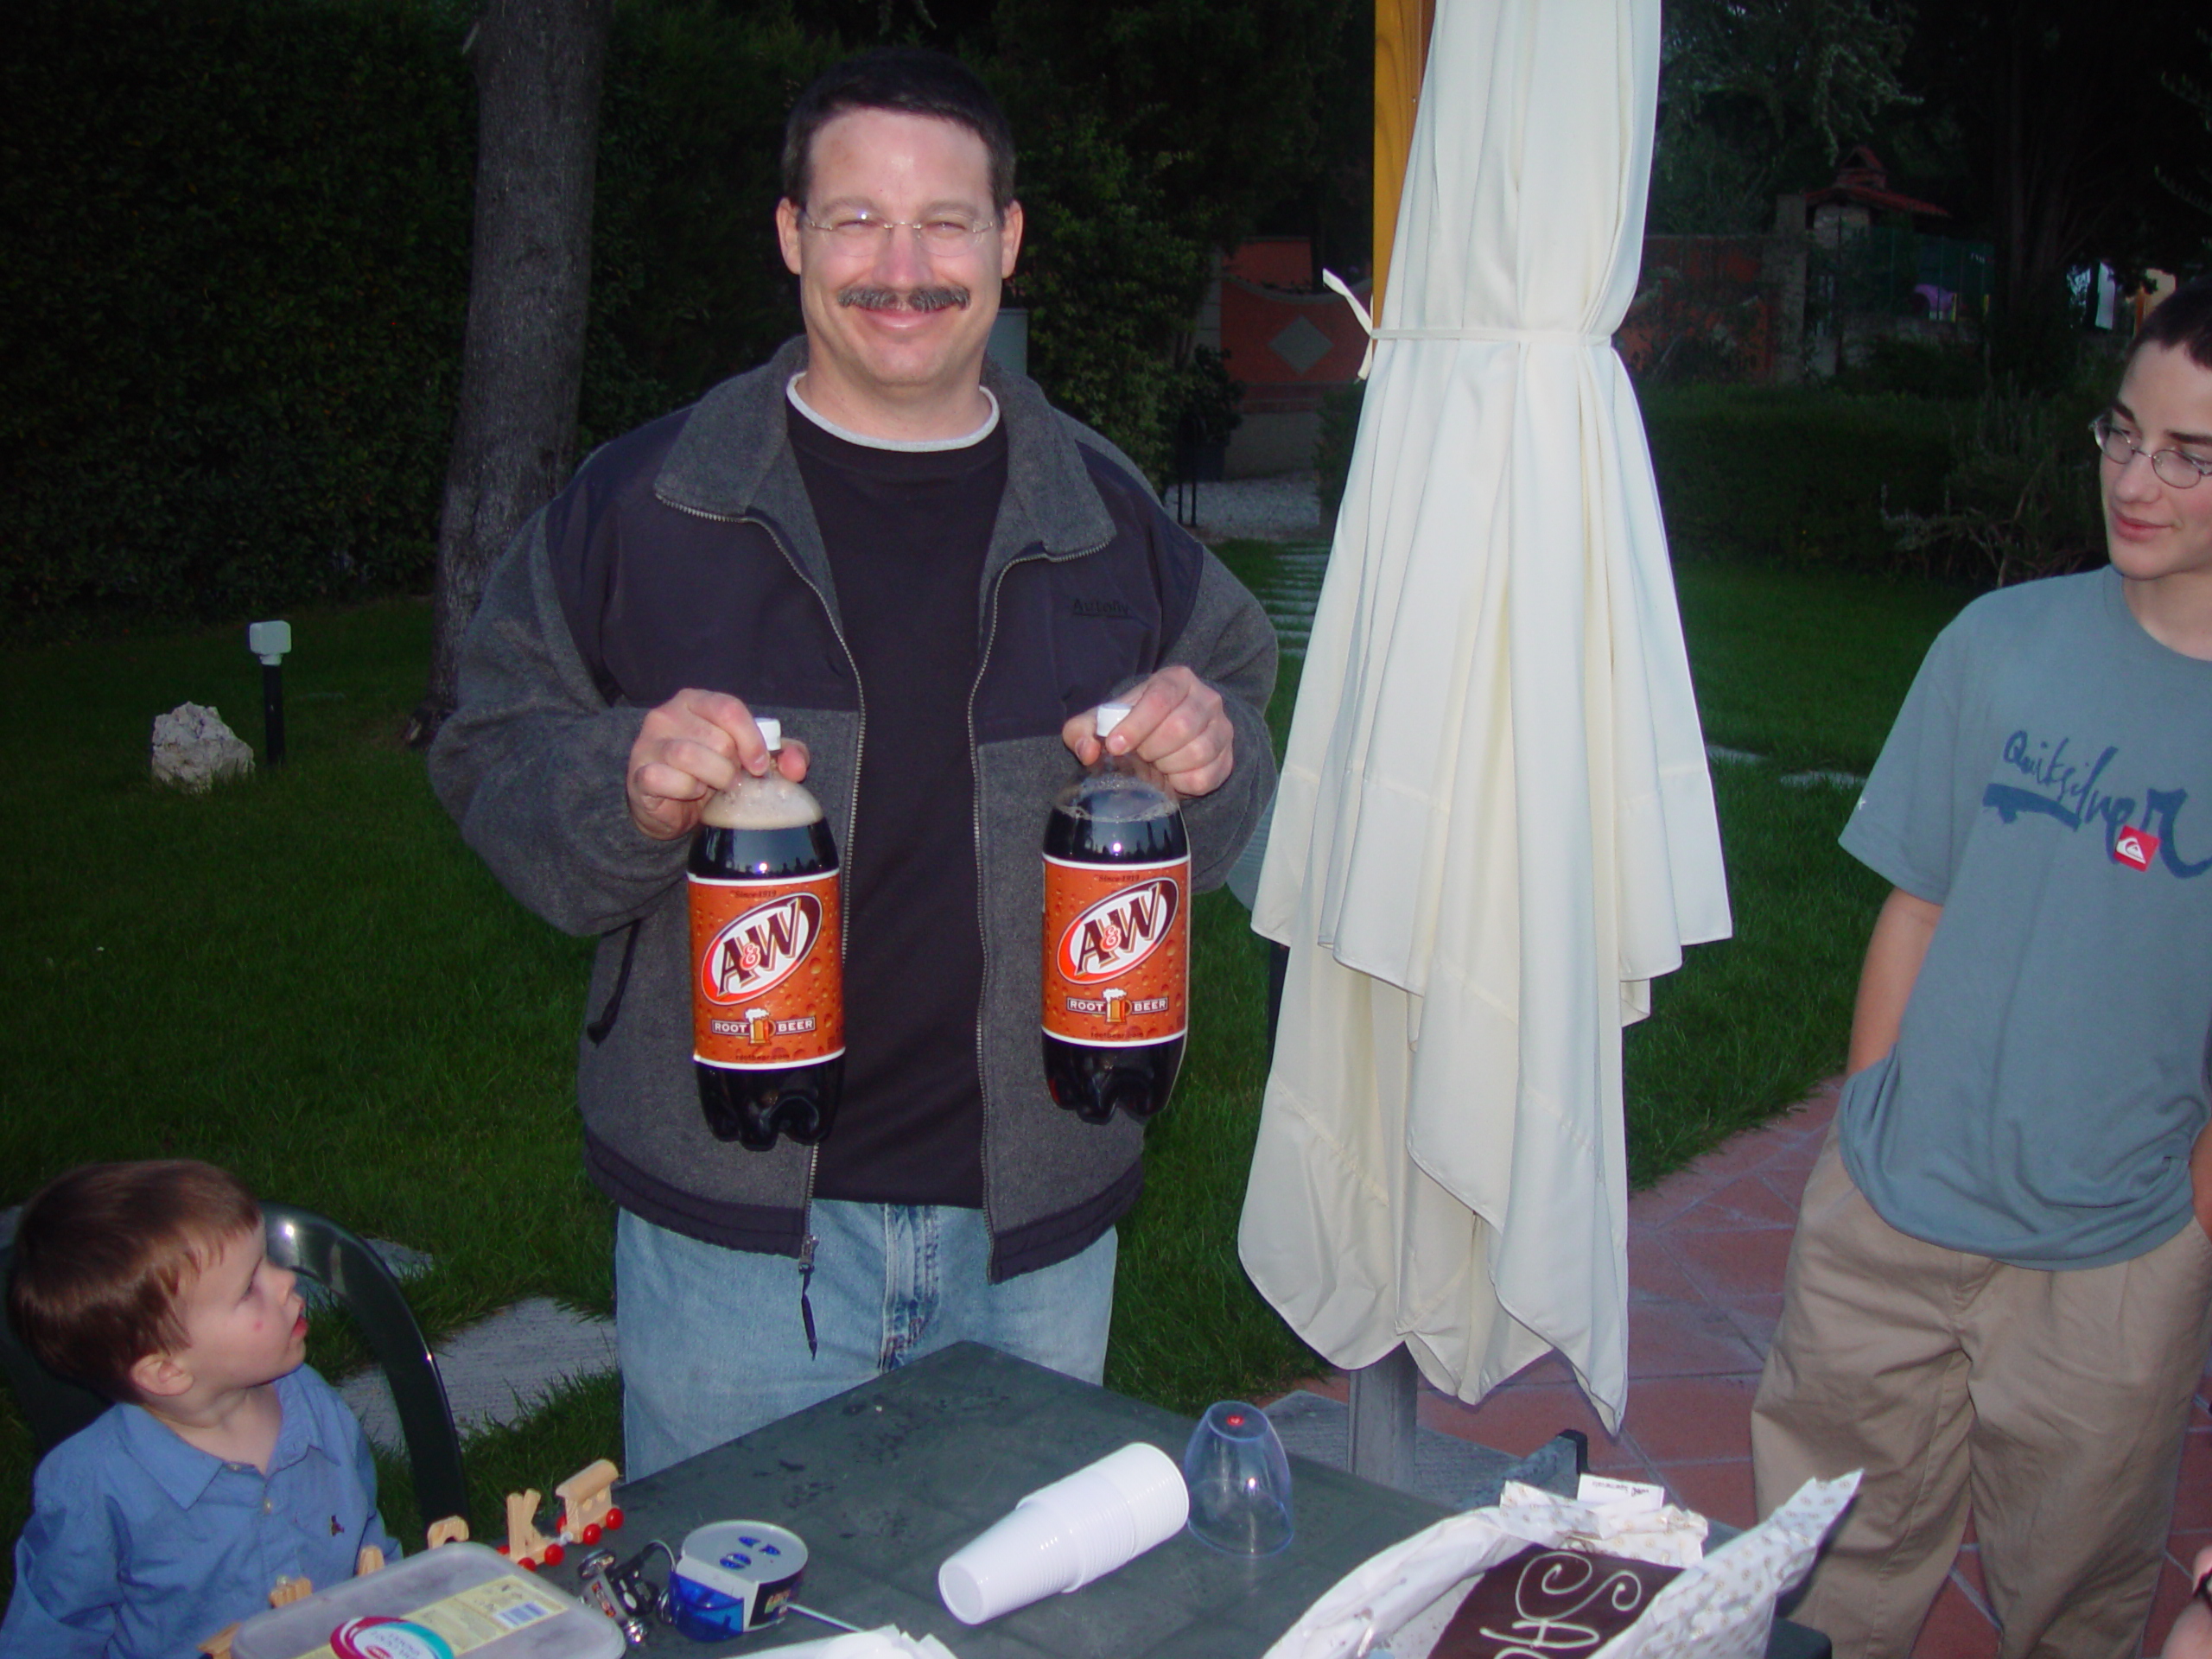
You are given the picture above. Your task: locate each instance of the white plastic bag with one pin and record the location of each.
(1720, 1608)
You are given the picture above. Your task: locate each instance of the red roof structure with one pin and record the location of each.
(1861, 179)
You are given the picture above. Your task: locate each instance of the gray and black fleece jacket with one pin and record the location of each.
(686, 555)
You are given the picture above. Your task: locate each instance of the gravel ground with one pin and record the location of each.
(1283, 508)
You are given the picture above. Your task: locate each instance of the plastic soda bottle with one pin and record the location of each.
(1117, 939)
(768, 961)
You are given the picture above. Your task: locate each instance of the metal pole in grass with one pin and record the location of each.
(270, 641)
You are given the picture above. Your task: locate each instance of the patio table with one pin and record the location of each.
(884, 1482)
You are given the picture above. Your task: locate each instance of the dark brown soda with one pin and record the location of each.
(752, 1108)
(1113, 817)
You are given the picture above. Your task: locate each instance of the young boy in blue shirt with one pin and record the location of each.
(225, 1464)
(1999, 1295)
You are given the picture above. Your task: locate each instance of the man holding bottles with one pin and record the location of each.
(931, 578)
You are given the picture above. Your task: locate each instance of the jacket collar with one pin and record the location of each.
(733, 460)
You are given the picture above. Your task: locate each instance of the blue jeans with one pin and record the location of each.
(713, 1344)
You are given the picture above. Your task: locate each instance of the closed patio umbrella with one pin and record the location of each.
(1495, 825)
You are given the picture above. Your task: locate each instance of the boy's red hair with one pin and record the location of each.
(102, 1254)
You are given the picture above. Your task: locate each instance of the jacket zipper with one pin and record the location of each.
(852, 823)
(975, 836)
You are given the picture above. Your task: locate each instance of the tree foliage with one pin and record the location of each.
(1761, 96)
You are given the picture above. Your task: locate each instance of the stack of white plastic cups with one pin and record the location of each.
(1063, 1536)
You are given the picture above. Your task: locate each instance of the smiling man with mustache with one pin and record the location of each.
(932, 578)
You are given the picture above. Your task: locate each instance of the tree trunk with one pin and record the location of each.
(538, 66)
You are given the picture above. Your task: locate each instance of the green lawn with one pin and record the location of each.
(306, 977)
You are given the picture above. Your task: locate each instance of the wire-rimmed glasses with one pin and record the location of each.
(865, 233)
(2173, 468)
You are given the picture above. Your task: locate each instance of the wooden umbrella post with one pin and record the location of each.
(1401, 35)
(1383, 1427)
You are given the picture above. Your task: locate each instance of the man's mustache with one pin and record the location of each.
(904, 299)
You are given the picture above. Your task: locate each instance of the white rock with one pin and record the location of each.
(193, 749)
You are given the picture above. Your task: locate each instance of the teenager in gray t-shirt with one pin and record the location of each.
(2049, 1076)
(1999, 1293)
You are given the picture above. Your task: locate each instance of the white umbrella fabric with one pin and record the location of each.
(1495, 824)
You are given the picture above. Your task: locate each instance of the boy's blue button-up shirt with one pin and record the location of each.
(141, 1545)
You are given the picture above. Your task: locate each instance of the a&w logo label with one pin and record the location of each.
(1118, 932)
(760, 949)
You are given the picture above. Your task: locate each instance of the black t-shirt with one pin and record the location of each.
(906, 532)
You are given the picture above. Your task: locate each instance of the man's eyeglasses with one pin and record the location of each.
(865, 233)
(2174, 469)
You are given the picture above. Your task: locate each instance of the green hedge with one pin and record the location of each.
(230, 308)
(1796, 476)
(236, 273)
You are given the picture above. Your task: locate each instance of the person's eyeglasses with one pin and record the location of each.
(2174, 469)
(863, 232)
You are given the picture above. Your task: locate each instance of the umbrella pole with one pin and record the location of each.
(1382, 1421)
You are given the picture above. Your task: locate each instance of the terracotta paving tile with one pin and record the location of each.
(1727, 1264)
(1718, 1492)
(1755, 1318)
(1622, 1458)
(1685, 1339)
(1657, 1206)
(1797, 1159)
(1745, 1201)
(1691, 1419)
(1653, 1270)
(1966, 1567)
(1517, 1418)
(2182, 1544)
(1787, 1183)
(2193, 1501)
(2172, 1597)
(1552, 1368)
(1744, 1155)
(1956, 1628)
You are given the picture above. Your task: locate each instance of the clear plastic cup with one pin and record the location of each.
(1239, 1481)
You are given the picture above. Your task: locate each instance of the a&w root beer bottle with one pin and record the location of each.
(1117, 939)
(767, 968)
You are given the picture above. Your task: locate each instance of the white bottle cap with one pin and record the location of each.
(772, 731)
(1111, 715)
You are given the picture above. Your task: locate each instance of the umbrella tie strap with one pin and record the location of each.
(1510, 336)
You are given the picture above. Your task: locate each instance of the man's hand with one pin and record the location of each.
(690, 747)
(1176, 724)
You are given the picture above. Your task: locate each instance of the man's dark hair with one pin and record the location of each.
(908, 78)
(103, 1255)
(2181, 321)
